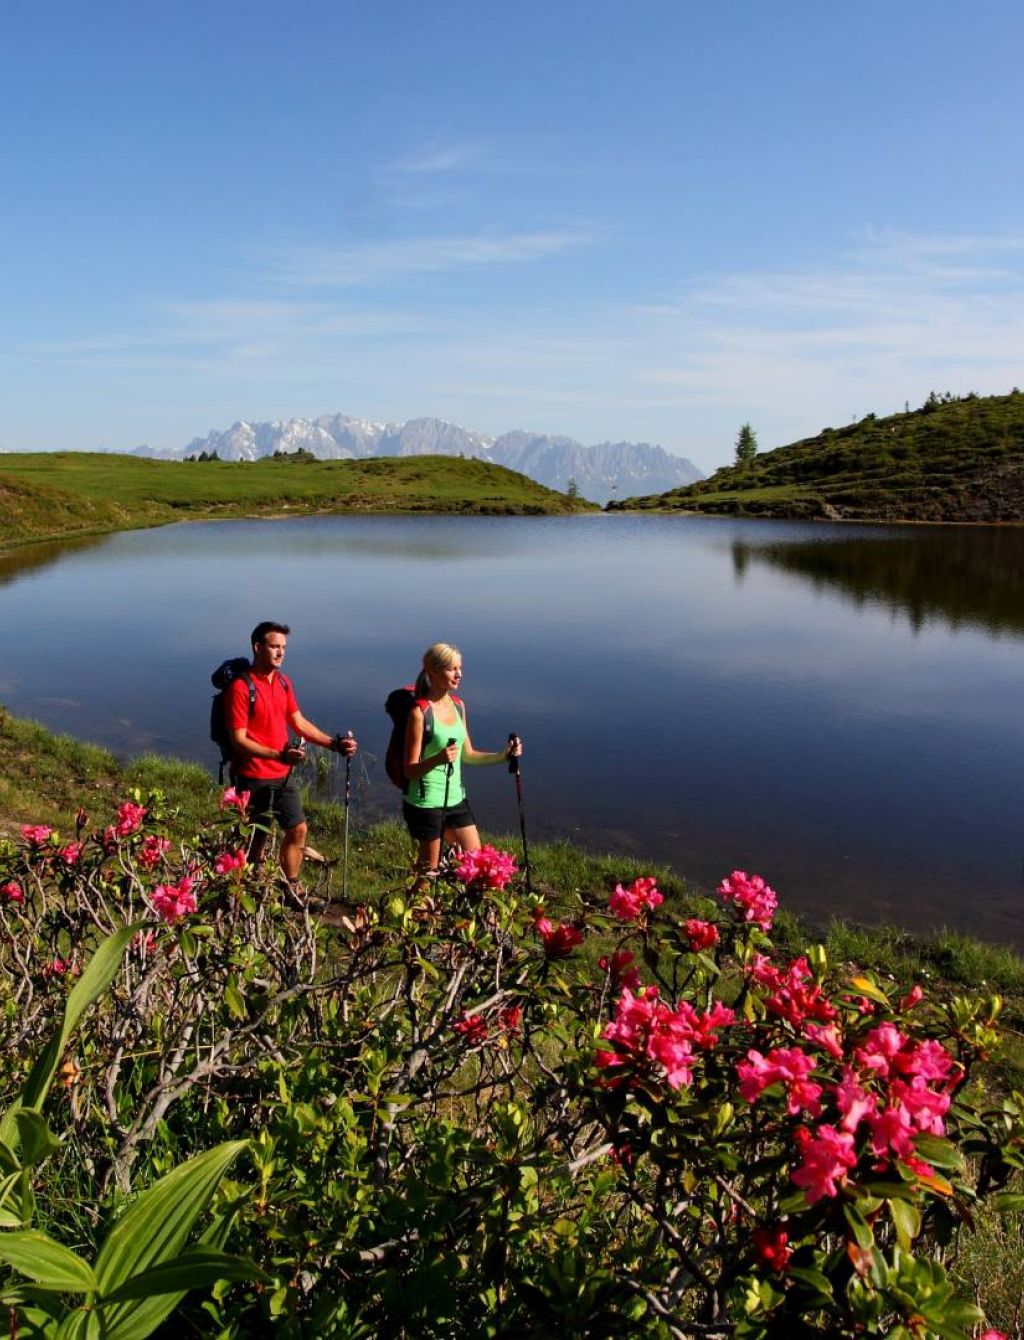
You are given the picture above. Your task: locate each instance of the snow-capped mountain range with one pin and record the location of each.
(609, 470)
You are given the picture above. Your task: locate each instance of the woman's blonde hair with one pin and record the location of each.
(437, 657)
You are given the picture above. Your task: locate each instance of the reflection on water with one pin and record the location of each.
(30, 557)
(960, 576)
(710, 693)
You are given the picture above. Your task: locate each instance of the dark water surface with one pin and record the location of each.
(836, 707)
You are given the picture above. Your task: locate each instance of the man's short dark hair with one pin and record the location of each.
(261, 630)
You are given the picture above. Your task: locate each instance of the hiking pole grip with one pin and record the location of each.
(513, 762)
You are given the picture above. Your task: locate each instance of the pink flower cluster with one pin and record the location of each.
(794, 996)
(771, 1248)
(559, 941)
(129, 819)
(648, 1033)
(36, 835)
(641, 895)
(892, 1089)
(486, 868)
(238, 799)
(71, 854)
(751, 897)
(152, 851)
(12, 891)
(60, 967)
(701, 934)
(619, 966)
(471, 1026)
(227, 862)
(173, 901)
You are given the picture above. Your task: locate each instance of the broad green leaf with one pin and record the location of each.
(50, 1265)
(82, 1324)
(198, 1269)
(939, 1152)
(37, 1140)
(1008, 1202)
(235, 1002)
(98, 974)
(906, 1219)
(814, 1278)
(859, 1225)
(154, 1231)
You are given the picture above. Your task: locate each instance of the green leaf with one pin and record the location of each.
(50, 1265)
(152, 1233)
(817, 1281)
(860, 1227)
(1008, 1202)
(37, 1140)
(99, 973)
(906, 1219)
(82, 1324)
(197, 1269)
(939, 1152)
(235, 1002)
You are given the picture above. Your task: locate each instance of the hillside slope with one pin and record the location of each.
(950, 460)
(55, 494)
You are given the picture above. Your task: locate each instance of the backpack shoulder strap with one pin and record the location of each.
(460, 706)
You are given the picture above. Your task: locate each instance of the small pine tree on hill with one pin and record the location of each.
(746, 445)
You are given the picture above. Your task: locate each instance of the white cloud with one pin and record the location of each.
(372, 262)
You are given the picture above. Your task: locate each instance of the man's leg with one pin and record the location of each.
(292, 843)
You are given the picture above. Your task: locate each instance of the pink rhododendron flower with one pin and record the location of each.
(511, 1018)
(228, 861)
(701, 934)
(232, 797)
(926, 1060)
(891, 1131)
(879, 1047)
(559, 941)
(36, 835)
(471, 1026)
(827, 1155)
(647, 1032)
(71, 854)
(992, 1335)
(618, 966)
(129, 817)
(487, 868)
(783, 1065)
(794, 995)
(826, 1036)
(174, 901)
(152, 851)
(924, 1107)
(854, 1102)
(60, 967)
(641, 895)
(751, 896)
(13, 892)
(145, 941)
(771, 1248)
(913, 996)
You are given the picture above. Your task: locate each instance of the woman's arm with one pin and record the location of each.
(412, 765)
(480, 757)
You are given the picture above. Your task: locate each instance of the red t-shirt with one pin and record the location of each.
(267, 724)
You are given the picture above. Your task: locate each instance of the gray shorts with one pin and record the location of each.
(268, 801)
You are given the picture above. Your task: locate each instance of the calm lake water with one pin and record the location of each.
(836, 707)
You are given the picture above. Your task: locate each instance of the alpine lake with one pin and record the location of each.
(835, 707)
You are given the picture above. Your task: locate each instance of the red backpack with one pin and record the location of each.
(399, 704)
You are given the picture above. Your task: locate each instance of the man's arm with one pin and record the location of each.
(342, 744)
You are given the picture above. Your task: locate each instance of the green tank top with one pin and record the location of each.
(430, 795)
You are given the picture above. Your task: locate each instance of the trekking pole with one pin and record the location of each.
(348, 802)
(449, 768)
(513, 767)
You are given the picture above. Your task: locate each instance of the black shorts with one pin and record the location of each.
(425, 824)
(268, 801)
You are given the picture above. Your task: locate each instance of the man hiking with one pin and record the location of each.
(263, 757)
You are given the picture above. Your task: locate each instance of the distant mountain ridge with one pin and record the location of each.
(602, 472)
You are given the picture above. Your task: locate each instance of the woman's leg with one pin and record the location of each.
(427, 856)
(468, 838)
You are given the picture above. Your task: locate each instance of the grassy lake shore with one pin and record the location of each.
(70, 494)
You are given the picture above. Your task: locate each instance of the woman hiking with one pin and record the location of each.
(437, 743)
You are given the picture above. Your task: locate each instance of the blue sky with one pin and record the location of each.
(647, 221)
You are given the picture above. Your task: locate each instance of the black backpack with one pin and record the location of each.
(226, 673)
(398, 705)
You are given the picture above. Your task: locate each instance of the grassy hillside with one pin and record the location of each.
(950, 460)
(49, 494)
